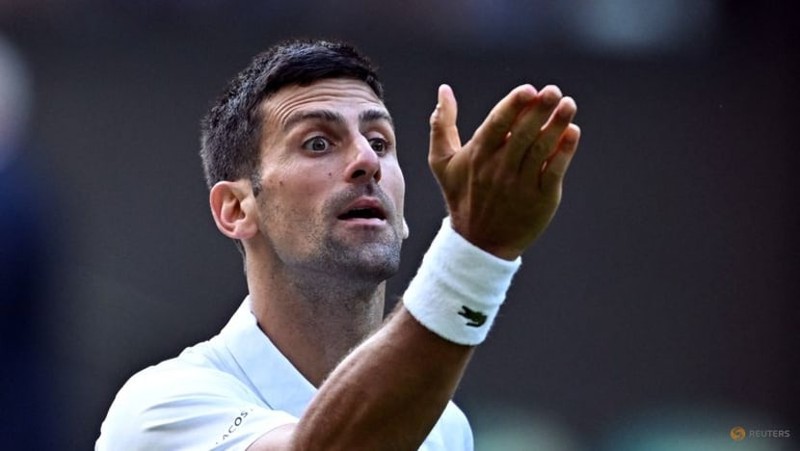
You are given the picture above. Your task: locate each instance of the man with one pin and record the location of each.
(301, 159)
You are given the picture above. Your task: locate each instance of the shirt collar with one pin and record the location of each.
(277, 381)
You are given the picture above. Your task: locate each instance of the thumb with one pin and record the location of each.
(444, 133)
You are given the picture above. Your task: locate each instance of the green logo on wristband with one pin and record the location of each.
(476, 319)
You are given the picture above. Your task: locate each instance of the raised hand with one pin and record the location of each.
(503, 186)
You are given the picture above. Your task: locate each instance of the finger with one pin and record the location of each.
(545, 143)
(556, 167)
(493, 132)
(444, 140)
(528, 128)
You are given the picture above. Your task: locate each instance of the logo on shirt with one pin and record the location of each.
(235, 425)
(475, 318)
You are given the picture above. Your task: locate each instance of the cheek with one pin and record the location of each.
(296, 193)
(395, 185)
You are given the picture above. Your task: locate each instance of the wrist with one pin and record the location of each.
(487, 244)
(459, 288)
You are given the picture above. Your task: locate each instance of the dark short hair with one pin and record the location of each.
(232, 129)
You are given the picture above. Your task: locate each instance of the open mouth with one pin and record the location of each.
(363, 213)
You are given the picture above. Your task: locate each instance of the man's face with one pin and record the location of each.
(332, 188)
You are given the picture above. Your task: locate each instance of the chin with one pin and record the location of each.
(379, 266)
(368, 258)
(369, 262)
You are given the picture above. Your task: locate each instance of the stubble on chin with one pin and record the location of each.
(373, 259)
(372, 255)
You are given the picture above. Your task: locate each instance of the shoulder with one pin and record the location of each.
(177, 378)
(186, 402)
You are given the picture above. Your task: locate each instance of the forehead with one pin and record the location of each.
(345, 96)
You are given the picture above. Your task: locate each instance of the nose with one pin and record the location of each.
(365, 165)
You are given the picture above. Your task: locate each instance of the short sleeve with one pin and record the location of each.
(169, 407)
(451, 432)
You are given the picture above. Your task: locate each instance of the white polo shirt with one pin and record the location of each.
(225, 393)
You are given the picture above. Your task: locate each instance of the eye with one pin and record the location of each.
(317, 144)
(379, 145)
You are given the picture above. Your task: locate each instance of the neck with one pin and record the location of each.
(315, 320)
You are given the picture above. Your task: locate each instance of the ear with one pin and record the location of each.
(234, 209)
(405, 229)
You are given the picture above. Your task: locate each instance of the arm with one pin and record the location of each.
(502, 189)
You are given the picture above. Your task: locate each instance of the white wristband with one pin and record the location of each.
(459, 288)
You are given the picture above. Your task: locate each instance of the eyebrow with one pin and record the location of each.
(375, 116)
(335, 117)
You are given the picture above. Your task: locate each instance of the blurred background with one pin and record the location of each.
(658, 312)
